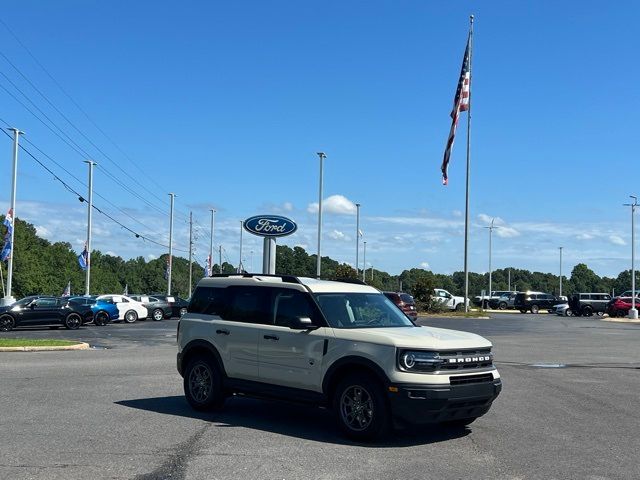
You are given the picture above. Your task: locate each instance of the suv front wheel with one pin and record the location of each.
(360, 407)
(203, 384)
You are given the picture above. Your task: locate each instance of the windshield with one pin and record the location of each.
(360, 310)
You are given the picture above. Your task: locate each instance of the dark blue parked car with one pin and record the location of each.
(103, 310)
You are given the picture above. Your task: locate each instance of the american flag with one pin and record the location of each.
(460, 104)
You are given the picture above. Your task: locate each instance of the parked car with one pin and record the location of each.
(404, 302)
(104, 310)
(563, 310)
(504, 301)
(157, 308)
(128, 309)
(535, 301)
(491, 299)
(178, 305)
(44, 311)
(336, 345)
(450, 301)
(628, 294)
(620, 306)
(586, 304)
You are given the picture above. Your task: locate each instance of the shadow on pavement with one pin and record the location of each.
(293, 420)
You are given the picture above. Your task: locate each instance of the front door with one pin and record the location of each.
(287, 357)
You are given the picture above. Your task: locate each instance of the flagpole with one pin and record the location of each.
(2, 280)
(466, 213)
(89, 217)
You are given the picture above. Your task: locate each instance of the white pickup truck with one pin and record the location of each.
(451, 301)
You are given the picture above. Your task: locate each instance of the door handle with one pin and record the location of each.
(271, 337)
(222, 332)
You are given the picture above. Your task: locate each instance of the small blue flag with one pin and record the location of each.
(83, 258)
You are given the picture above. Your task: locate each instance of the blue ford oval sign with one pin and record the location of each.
(270, 225)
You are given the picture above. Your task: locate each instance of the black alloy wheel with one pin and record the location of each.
(131, 316)
(183, 310)
(7, 323)
(361, 408)
(73, 321)
(203, 384)
(100, 319)
(587, 311)
(157, 315)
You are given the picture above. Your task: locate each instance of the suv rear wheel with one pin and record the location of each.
(360, 407)
(535, 308)
(587, 311)
(203, 384)
(502, 306)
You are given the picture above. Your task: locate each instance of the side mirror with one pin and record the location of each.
(301, 323)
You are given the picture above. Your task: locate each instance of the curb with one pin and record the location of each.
(619, 320)
(77, 346)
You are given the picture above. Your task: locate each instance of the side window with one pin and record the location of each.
(208, 300)
(249, 305)
(290, 304)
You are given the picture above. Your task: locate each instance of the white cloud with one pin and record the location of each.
(338, 235)
(424, 265)
(456, 213)
(287, 206)
(42, 231)
(484, 218)
(337, 204)
(584, 236)
(109, 252)
(151, 256)
(616, 240)
(507, 232)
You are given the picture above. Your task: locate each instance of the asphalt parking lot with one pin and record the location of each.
(569, 410)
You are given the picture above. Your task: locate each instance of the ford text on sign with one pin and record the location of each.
(270, 225)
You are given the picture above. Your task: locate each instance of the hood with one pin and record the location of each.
(415, 337)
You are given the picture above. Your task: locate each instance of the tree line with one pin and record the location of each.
(43, 267)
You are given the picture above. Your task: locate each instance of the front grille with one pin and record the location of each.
(466, 359)
(466, 379)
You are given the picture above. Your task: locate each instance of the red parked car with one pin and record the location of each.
(620, 306)
(404, 302)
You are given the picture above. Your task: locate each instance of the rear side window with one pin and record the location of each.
(248, 305)
(208, 301)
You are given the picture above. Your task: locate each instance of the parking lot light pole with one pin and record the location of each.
(364, 261)
(172, 196)
(89, 218)
(213, 213)
(490, 228)
(633, 312)
(322, 156)
(560, 248)
(357, 236)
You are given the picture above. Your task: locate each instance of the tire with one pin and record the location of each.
(183, 310)
(7, 323)
(73, 321)
(203, 384)
(568, 313)
(157, 315)
(535, 308)
(587, 311)
(460, 307)
(360, 407)
(100, 319)
(502, 306)
(131, 316)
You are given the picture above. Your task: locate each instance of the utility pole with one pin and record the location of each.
(509, 277)
(240, 262)
(172, 196)
(490, 228)
(322, 156)
(357, 236)
(220, 258)
(213, 212)
(8, 299)
(560, 248)
(190, 251)
(89, 218)
(633, 312)
(364, 262)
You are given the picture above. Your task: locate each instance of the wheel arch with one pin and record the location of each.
(200, 347)
(347, 365)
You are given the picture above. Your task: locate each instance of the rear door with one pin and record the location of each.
(291, 358)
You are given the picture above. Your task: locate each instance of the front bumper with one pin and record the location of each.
(424, 404)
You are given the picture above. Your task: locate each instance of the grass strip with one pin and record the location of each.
(30, 342)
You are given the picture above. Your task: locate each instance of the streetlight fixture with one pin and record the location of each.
(490, 228)
(322, 156)
(633, 312)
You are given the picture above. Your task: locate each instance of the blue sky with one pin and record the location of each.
(226, 103)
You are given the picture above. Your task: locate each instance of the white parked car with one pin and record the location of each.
(449, 300)
(563, 310)
(128, 308)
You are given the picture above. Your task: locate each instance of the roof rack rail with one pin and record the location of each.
(357, 281)
(285, 278)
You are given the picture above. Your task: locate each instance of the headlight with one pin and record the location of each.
(419, 361)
